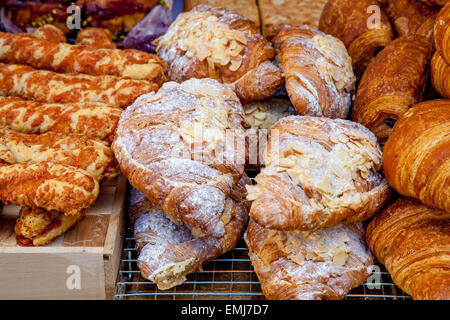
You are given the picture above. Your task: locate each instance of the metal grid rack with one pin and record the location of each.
(228, 277)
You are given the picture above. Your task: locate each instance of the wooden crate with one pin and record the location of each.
(81, 264)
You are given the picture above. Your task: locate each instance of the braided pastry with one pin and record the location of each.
(416, 159)
(220, 44)
(442, 33)
(173, 146)
(348, 21)
(393, 82)
(319, 173)
(413, 242)
(440, 75)
(317, 70)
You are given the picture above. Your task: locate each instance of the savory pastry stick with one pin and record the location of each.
(22, 48)
(47, 86)
(440, 75)
(317, 70)
(37, 227)
(309, 265)
(442, 33)
(184, 148)
(349, 21)
(276, 14)
(95, 38)
(90, 155)
(94, 120)
(416, 158)
(393, 82)
(169, 251)
(413, 242)
(51, 33)
(48, 186)
(247, 8)
(220, 44)
(319, 173)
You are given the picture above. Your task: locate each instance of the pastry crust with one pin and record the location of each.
(95, 38)
(348, 21)
(247, 8)
(393, 82)
(173, 147)
(416, 159)
(438, 3)
(442, 33)
(440, 75)
(47, 86)
(51, 33)
(319, 173)
(324, 264)
(220, 44)
(168, 251)
(317, 70)
(280, 13)
(413, 242)
(49, 186)
(94, 120)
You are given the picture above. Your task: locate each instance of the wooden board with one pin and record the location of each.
(81, 264)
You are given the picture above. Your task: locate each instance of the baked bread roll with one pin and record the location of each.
(184, 148)
(168, 251)
(309, 265)
(319, 173)
(317, 70)
(411, 17)
(220, 44)
(416, 158)
(393, 82)
(276, 14)
(95, 38)
(440, 75)
(442, 33)
(413, 242)
(50, 32)
(348, 21)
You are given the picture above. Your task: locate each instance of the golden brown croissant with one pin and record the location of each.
(438, 3)
(49, 186)
(220, 44)
(309, 265)
(168, 252)
(440, 75)
(393, 82)
(319, 173)
(184, 148)
(413, 242)
(442, 33)
(37, 227)
(50, 32)
(94, 120)
(416, 159)
(317, 70)
(411, 17)
(22, 48)
(349, 20)
(47, 86)
(95, 38)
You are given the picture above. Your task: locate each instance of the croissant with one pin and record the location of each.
(319, 173)
(220, 44)
(442, 33)
(440, 75)
(413, 242)
(168, 252)
(416, 157)
(411, 17)
(393, 82)
(309, 265)
(347, 20)
(317, 70)
(184, 148)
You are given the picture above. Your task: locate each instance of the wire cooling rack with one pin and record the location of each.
(229, 277)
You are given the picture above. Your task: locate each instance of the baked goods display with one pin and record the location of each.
(319, 173)
(416, 157)
(309, 265)
(413, 242)
(393, 82)
(317, 70)
(349, 22)
(220, 44)
(442, 33)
